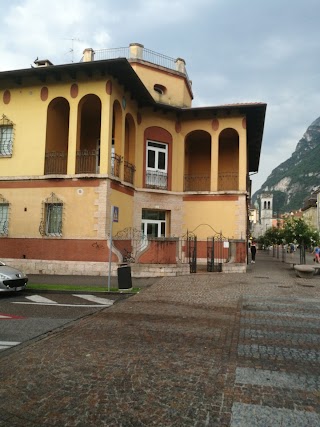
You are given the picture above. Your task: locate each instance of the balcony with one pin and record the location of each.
(196, 183)
(129, 170)
(115, 165)
(55, 163)
(228, 181)
(87, 161)
(157, 180)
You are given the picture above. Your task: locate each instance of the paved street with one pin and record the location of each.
(204, 350)
(25, 315)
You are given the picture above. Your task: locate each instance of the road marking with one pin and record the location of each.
(9, 316)
(40, 299)
(4, 345)
(61, 305)
(93, 298)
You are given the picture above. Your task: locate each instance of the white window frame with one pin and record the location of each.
(53, 219)
(152, 179)
(159, 222)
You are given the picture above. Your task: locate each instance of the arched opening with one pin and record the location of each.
(228, 169)
(129, 149)
(116, 139)
(197, 161)
(57, 135)
(88, 142)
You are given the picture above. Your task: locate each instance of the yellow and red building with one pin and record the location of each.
(118, 129)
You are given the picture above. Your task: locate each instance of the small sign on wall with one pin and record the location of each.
(115, 214)
(226, 244)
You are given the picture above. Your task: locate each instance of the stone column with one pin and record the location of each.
(72, 140)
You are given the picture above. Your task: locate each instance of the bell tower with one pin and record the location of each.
(266, 210)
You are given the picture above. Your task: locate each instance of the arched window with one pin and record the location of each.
(160, 89)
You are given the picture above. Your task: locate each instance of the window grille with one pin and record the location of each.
(4, 217)
(6, 136)
(52, 217)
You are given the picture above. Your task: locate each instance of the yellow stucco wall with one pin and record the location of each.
(26, 210)
(221, 216)
(125, 204)
(177, 92)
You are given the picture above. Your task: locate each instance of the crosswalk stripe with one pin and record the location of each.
(61, 305)
(40, 299)
(4, 345)
(93, 298)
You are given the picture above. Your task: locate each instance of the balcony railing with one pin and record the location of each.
(157, 180)
(87, 161)
(55, 163)
(228, 181)
(146, 55)
(129, 170)
(196, 183)
(115, 164)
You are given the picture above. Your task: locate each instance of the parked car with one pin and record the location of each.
(11, 279)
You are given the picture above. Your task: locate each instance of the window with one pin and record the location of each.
(4, 216)
(157, 158)
(6, 137)
(52, 217)
(153, 223)
(159, 89)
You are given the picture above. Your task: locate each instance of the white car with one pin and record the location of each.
(11, 279)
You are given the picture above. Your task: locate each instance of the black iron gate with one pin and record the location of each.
(192, 251)
(215, 253)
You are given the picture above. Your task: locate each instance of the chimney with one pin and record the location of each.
(43, 63)
(88, 55)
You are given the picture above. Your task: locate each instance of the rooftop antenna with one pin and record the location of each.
(71, 50)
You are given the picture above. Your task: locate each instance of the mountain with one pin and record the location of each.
(296, 178)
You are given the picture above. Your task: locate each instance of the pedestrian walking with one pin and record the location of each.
(316, 252)
(253, 250)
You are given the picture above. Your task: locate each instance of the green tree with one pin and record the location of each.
(297, 230)
(272, 236)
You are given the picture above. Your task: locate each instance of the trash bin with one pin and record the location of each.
(124, 277)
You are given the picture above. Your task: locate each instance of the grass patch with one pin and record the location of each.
(75, 288)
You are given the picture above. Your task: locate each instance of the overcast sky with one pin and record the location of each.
(235, 51)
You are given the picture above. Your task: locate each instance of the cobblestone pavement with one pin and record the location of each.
(204, 350)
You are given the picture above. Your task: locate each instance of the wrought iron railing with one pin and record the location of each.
(129, 170)
(119, 52)
(228, 181)
(147, 55)
(115, 164)
(55, 163)
(196, 183)
(87, 161)
(156, 179)
(4, 228)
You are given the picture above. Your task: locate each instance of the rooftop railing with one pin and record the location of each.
(139, 52)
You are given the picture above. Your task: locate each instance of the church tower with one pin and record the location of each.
(266, 211)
